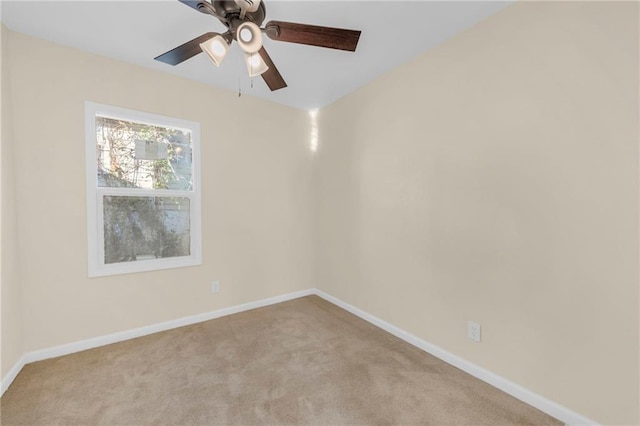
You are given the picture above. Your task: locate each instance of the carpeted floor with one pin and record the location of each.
(305, 361)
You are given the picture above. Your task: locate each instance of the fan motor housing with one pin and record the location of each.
(231, 11)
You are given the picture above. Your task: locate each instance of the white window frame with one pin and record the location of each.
(95, 194)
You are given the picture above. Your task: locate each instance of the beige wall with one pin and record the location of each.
(255, 214)
(495, 179)
(11, 342)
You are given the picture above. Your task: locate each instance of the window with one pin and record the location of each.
(143, 191)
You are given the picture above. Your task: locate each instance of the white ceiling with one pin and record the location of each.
(137, 31)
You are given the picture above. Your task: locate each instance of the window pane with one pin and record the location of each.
(140, 228)
(135, 155)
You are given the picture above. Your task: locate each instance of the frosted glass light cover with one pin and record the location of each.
(255, 65)
(216, 48)
(249, 37)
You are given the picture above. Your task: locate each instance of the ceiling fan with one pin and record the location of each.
(243, 19)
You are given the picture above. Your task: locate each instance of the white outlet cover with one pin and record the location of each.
(215, 287)
(473, 331)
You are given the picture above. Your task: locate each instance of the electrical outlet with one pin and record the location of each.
(215, 287)
(473, 331)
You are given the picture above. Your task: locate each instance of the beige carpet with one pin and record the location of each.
(304, 361)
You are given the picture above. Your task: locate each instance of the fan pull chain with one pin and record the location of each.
(251, 72)
(240, 79)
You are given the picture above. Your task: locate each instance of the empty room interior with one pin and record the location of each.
(408, 212)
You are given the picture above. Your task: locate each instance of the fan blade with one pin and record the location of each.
(185, 51)
(333, 38)
(271, 76)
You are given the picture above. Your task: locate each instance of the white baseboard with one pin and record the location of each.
(541, 403)
(517, 391)
(11, 375)
(95, 342)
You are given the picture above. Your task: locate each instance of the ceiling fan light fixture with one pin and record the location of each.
(249, 37)
(255, 64)
(216, 48)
